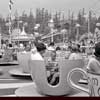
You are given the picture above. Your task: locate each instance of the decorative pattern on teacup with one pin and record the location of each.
(94, 86)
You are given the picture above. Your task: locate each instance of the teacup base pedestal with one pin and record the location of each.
(31, 91)
(18, 72)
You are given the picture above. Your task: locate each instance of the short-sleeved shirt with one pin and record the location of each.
(36, 56)
(94, 65)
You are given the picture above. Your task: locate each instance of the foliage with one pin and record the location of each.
(42, 16)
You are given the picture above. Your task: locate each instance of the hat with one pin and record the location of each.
(97, 50)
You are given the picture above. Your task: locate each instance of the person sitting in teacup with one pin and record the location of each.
(75, 52)
(53, 69)
(52, 60)
(38, 51)
(51, 46)
(94, 62)
(89, 50)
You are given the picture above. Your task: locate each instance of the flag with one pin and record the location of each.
(11, 2)
(10, 5)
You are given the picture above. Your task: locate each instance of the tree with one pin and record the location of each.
(15, 21)
(31, 22)
(4, 28)
(57, 19)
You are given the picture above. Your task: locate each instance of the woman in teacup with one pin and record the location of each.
(75, 53)
(94, 62)
(53, 68)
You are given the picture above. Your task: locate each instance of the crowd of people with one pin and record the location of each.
(72, 50)
(52, 52)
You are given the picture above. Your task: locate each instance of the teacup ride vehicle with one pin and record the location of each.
(23, 60)
(41, 87)
(8, 56)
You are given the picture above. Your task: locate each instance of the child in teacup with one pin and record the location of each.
(76, 53)
(94, 62)
(53, 69)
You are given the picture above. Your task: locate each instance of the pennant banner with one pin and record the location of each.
(10, 5)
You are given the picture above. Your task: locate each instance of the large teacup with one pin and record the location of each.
(93, 82)
(38, 73)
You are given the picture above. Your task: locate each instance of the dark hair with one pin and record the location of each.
(58, 48)
(52, 44)
(58, 26)
(97, 50)
(91, 42)
(76, 49)
(78, 45)
(10, 45)
(40, 47)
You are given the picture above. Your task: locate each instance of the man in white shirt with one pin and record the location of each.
(51, 46)
(38, 52)
(35, 55)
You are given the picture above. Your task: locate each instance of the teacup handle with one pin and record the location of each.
(72, 84)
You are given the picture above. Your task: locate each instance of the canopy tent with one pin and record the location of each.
(22, 36)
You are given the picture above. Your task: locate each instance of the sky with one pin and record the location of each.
(51, 5)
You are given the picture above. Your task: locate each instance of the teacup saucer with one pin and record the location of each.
(18, 72)
(30, 91)
(1, 70)
(9, 63)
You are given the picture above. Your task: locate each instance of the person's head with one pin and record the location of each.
(91, 42)
(58, 48)
(76, 48)
(51, 44)
(58, 27)
(10, 45)
(40, 48)
(66, 26)
(97, 50)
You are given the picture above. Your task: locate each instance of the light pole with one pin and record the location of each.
(9, 26)
(10, 31)
(51, 25)
(88, 21)
(19, 30)
(77, 27)
(0, 38)
(36, 32)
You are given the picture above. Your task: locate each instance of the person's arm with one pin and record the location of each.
(93, 66)
(54, 77)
